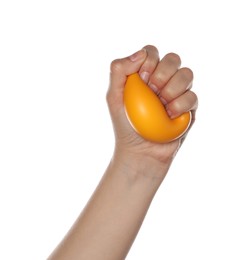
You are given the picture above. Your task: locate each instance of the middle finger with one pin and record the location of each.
(166, 68)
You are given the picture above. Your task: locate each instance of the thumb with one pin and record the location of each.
(121, 68)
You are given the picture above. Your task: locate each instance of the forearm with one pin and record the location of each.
(108, 225)
(111, 220)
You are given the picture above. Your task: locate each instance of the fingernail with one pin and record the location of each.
(154, 88)
(169, 113)
(163, 100)
(138, 55)
(144, 76)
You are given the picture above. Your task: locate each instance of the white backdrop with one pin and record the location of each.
(56, 138)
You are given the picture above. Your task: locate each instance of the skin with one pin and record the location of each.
(109, 223)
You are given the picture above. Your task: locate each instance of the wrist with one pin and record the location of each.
(139, 167)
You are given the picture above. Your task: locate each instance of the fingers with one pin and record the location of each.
(177, 85)
(172, 84)
(166, 68)
(176, 94)
(186, 102)
(165, 77)
(150, 63)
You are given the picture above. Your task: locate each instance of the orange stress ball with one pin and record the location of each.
(147, 114)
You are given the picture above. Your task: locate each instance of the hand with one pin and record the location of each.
(132, 178)
(170, 82)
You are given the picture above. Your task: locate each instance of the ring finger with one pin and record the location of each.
(177, 85)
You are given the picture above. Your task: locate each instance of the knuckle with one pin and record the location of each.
(187, 73)
(194, 99)
(187, 102)
(149, 65)
(116, 66)
(192, 96)
(176, 106)
(151, 48)
(173, 58)
(110, 98)
(168, 93)
(159, 78)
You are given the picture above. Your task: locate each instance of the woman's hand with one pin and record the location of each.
(109, 223)
(173, 86)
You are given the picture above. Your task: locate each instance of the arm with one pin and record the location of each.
(112, 218)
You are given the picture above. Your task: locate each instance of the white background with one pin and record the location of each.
(56, 138)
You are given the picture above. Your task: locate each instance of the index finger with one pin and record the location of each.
(150, 63)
